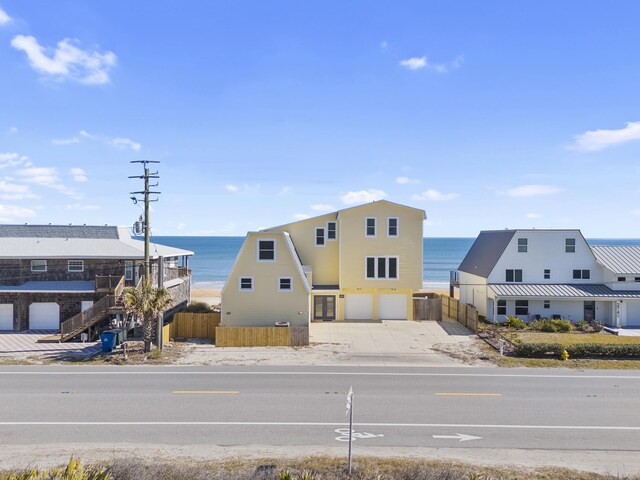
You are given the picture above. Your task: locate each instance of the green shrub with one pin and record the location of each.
(578, 350)
(537, 350)
(515, 322)
(198, 307)
(596, 326)
(582, 325)
(551, 325)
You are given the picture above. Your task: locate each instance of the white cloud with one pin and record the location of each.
(78, 174)
(13, 160)
(47, 177)
(231, 187)
(67, 61)
(4, 17)
(12, 130)
(125, 143)
(414, 63)
(82, 207)
(363, 196)
(322, 207)
(593, 140)
(435, 195)
(406, 180)
(533, 215)
(13, 191)
(418, 63)
(532, 190)
(300, 216)
(65, 141)
(285, 190)
(12, 213)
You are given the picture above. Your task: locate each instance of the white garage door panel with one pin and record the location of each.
(358, 307)
(44, 316)
(6, 316)
(633, 314)
(392, 307)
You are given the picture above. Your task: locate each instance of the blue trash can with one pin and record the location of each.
(108, 339)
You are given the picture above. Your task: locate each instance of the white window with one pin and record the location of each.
(547, 304)
(522, 307)
(266, 250)
(319, 237)
(570, 245)
(382, 268)
(513, 275)
(547, 274)
(392, 227)
(523, 245)
(285, 284)
(75, 266)
(128, 269)
(370, 227)
(245, 284)
(502, 307)
(332, 228)
(38, 265)
(582, 274)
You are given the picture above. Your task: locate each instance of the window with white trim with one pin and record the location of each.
(570, 245)
(392, 227)
(245, 284)
(582, 274)
(285, 284)
(523, 245)
(38, 265)
(522, 307)
(332, 229)
(266, 250)
(513, 275)
(128, 269)
(75, 266)
(382, 268)
(319, 237)
(502, 307)
(547, 304)
(370, 227)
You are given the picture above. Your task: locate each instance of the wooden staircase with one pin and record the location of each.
(83, 321)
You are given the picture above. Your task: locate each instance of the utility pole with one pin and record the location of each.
(146, 192)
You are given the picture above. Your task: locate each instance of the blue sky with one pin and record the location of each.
(486, 114)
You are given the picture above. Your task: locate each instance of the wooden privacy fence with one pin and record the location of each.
(262, 336)
(427, 309)
(192, 325)
(461, 312)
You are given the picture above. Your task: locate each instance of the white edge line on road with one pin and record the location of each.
(362, 374)
(325, 424)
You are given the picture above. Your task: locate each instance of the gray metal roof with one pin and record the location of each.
(486, 251)
(52, 286)
(30, 242)
(559, 290)
(620, 259)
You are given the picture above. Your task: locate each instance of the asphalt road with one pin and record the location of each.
(461, 408)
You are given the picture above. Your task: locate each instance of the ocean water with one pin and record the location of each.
(214, 257)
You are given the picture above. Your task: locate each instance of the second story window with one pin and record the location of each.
(513, 275)
(75, 266)
(582, 274)
(382, 268)
(570, 245)
(285, 284)
(266, 250)
(392, 227)
(523, 244)
(38, 265)
(332, 228)
(246, 284)
(319, 237)
(128, 269)
(547, 274)
(370, 227)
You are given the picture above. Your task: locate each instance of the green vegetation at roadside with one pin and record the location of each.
(310, 468)
(572, 338)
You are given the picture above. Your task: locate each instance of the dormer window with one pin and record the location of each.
(370, 227)
(570, 245)
(523, 244)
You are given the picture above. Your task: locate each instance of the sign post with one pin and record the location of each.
(350, 413)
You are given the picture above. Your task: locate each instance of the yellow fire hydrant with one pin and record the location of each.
(565, 355)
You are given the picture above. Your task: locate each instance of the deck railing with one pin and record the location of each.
(109, 283)
(99, 309)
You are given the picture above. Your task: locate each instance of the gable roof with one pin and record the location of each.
(486, 251)
(619, 259)
(76, 241)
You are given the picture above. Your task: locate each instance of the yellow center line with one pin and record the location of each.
(458, 394)
(206, 392)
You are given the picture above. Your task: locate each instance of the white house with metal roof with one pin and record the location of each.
(550, 273)
(50, 273)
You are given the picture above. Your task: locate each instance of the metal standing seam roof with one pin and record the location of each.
(620, 259)
(486, 251)
(560, 290)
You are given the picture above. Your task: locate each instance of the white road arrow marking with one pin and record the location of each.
(461, 437)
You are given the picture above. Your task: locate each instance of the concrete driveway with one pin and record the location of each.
(397, 342)
(25, 344)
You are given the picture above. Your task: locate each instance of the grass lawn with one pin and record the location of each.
(573, 338)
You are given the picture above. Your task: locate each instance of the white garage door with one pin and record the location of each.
(358, 307)
(44, 316)
(633, 314)
(392, 307)
(6, 316)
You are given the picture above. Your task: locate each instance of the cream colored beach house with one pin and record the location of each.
(360, 263)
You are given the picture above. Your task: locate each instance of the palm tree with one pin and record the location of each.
(147, 303)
